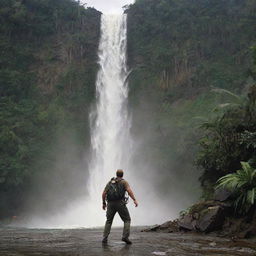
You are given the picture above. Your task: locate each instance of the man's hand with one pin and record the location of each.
(130, 193)
(104, 195)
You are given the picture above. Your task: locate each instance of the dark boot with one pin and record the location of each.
(105, 240)
(126, 240)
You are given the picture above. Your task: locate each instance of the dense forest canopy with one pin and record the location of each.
(47, 74)
(192, 43)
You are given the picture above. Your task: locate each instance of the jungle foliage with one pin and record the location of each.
(47, 73)
(230, 140)
(242, 184)
(178, 50)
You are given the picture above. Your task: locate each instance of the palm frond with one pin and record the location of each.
(223, 106)
(224, 91)
(243, 184)
(229, 181)
(238, 202)
(251, 196)
(246, 166)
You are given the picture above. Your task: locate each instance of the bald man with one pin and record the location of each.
(114, 193)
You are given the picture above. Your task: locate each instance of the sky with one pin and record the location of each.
(108, 6)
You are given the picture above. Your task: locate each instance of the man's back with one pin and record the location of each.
(116, 189)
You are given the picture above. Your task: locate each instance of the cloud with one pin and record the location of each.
(108, 6)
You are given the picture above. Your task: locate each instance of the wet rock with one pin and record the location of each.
(204, 216)
(153, 228)
(201, 206)
(168, 227)
(187, 222)
(196, 216)
(240, 227)
(222, 195)
(212, 215)
(211, 219)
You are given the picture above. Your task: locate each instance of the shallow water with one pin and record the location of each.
(87, 242)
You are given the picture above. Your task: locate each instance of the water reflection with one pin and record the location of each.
(120, 249)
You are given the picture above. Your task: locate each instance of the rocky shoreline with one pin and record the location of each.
(214, 216)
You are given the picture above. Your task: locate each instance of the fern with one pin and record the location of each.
(243, 185)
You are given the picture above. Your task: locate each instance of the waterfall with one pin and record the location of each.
(110, 123)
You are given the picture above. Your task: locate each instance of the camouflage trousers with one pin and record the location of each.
(112, 208)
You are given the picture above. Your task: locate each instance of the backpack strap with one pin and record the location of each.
(113, 180)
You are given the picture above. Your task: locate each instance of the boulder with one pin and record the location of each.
(211, 219)
(153, 228)
(168, 227)
(222, 195)
(205, 216)
(187, 222)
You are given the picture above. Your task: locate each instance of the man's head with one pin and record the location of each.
(119, 173)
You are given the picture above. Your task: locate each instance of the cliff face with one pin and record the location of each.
(177, 51)
(192, 44)
(48, 68)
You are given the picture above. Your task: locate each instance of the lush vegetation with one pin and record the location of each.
(229, 145)
(192, 43)
(179, 50)
(242, 184)
(229, 139)
(47, 74)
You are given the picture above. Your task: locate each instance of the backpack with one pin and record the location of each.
(116, 190)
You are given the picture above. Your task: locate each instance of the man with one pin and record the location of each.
(117, 203)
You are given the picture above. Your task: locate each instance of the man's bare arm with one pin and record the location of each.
(130, 193)
(104, 194)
